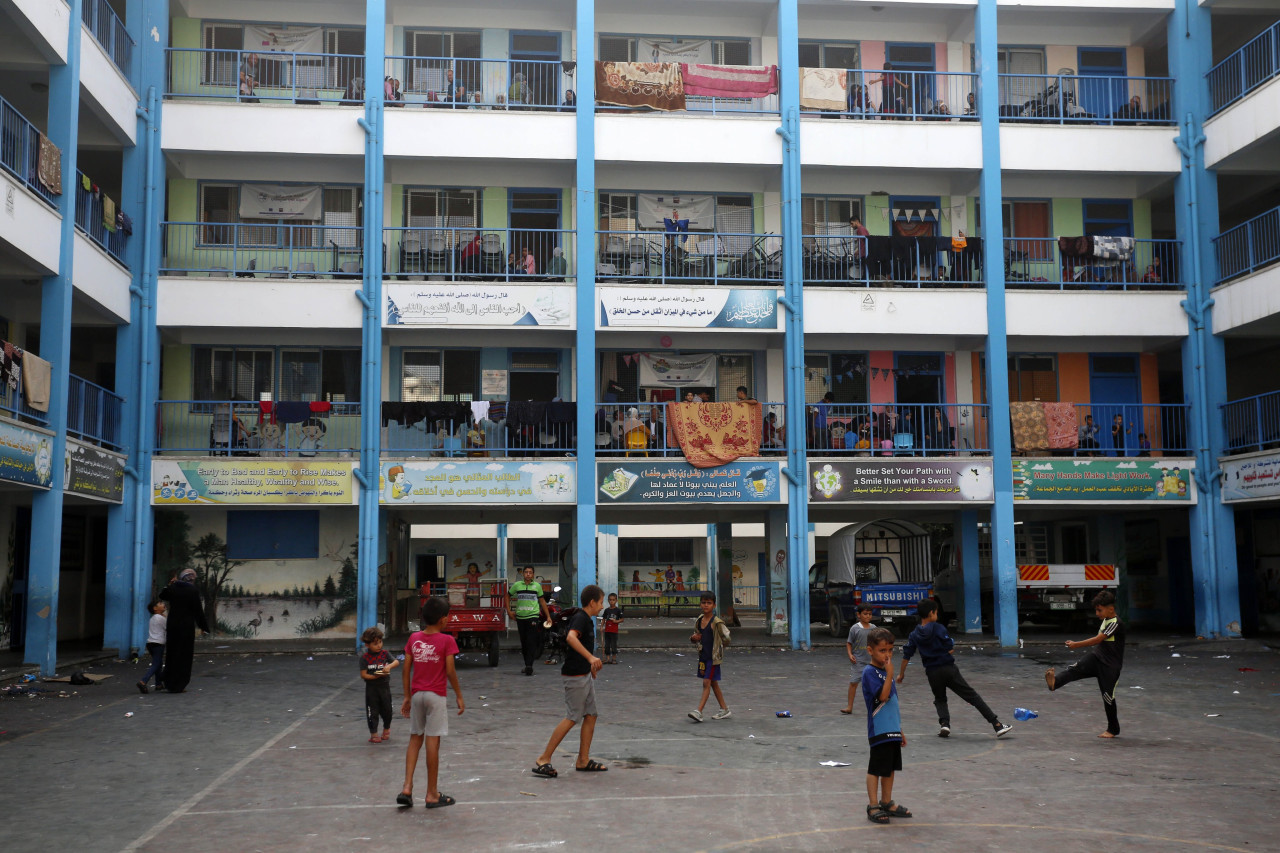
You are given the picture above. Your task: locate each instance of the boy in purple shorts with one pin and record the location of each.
(711, 635)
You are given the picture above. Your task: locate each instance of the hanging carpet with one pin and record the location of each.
(714, 434)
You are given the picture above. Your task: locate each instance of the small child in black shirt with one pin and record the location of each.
(375, 669)
(1106, 656)
(612, 616)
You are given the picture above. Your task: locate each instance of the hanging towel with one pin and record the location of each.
(35, 381)
(266, 409)
(1113, 248)
(1064, 430)
(729, 81)
(84, 182)
(292, 413)
(823, 89)
(49, 170)
(561, 412)
(320, 407)
(11, 367)
(108, 213)
(479, 410)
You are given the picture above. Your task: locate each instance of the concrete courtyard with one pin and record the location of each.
(268, 753)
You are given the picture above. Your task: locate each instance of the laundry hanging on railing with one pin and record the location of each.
(729, 81)
(49, 169)
(36, 375)
(656, 85)
(1030, 429)
(11, 367)
(1062, 425)
(823, 89)
(715, 434)
(1113, 248)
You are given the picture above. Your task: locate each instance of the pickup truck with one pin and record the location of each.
(883, 563)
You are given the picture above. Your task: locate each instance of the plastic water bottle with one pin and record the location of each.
(1024, 714)
(783, 714)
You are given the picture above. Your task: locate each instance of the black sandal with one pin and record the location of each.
(444, 800)
(545, 770)
(592, 766)
(892, 809)
(404, 800)
(876, 814)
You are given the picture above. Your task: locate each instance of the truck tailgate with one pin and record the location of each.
(1066, 575)
(894, 594)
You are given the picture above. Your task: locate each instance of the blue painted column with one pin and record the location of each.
(585, 333)
(607, 557)
(777, 597)
(128, 579)
(793, 311)
(991, 194)
(712, 572)
(55, 347)
(965, 549)
(370, 296)
(500, 558)
(1195, 194)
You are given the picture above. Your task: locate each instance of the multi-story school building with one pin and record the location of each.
(331, 299)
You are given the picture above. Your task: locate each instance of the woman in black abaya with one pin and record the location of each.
(186, 613)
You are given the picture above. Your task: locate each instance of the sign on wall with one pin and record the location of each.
(689, 308)
(1095, 479)
(1251, 478)
(872, 480)
(476, 481)
(94, 473)
(274, 201)
(664, 481)
(453, 304)
(251, 481)
(26, 456)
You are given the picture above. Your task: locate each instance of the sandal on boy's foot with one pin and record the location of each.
(444, 800)
(386, 736)
(892, 809)
(875, 814)
(545, 770)
(404, 800)
(142, 687)
(592, 766)
(374, 739)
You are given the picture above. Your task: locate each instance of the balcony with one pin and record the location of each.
(502, 431)
(896, 95)
(677, 87)
(20, 153)
(291, 78)
(13, 404)
(1123, 264)
(99, 218)
(480, 254)
(242, 429)
(1249, 246)
(220, 250)
(93, 414)
(1245, 70)
(684, 258)
(1086, 100)
(946, 429)
(1253, 423)
(109, 31)
(478, 84)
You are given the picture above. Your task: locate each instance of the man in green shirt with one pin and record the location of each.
(526, 602)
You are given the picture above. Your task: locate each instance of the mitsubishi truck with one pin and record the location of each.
(883, 563)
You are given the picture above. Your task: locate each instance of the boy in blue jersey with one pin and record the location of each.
(884, 728)
(1106, 656)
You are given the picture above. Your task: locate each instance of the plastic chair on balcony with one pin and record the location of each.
(306, 269)
(903, 443)
(638, 257)
(226, 433)
(249, 268)
(614, 251)
(219, 272)
(452, 446)
(279, 272)
(492, 262)
(349, 269)
(410, 254)
(437, 255)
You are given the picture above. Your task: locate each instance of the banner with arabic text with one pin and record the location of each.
(452, 304)
(668, 481)
(690, 308)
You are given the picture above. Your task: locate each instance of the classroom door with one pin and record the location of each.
(534, 220)
(1115, 390)
(1103, 88)
(536, 55)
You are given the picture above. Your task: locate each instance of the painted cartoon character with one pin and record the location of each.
(270, 441)
(780, 564)
(313, 430)
(400, 485)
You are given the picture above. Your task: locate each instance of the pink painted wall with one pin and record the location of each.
(872, 55)
(940, 56)
(949, 378)
(880, 390)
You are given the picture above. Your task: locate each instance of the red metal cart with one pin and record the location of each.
(477, 613)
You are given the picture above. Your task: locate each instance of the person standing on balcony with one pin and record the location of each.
(891, 101)
(518, 93)
(248, 78)
(1088, 439)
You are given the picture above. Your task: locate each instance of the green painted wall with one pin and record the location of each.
(176, 380)
(184, 201)
(1142, 218)
(757, 213)
(186, 32)
(877, 219)
(1067, 217)
(493, 207)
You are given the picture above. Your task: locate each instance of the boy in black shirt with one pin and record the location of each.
(1106, 656)
(375, 670)
(579, 676)
(612, 616)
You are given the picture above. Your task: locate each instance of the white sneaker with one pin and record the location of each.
(945, 731)
(696, 716)
(723, 714)
(1004, 729)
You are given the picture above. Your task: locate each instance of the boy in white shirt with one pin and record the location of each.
(157, 636)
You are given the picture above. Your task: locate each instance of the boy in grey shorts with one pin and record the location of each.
(428, 662)
(579, 677)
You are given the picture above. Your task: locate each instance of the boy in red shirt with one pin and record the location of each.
(612, 619)
(428, 661)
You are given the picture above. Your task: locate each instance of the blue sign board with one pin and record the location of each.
(26, 456)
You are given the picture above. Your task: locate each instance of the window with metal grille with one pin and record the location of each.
(617, 212)
(441, 208)
(432, 376)
(220, 213)
(1032, 378)
(844, 374)
(819, 54)
(230, 373)
(655, 552)
(1021, 61)
(308, 375)
(221, 68)
(440, 51)
(731, 371)
(347, 61)
(619, 48)
(829, 214)
(535, 361)
(534, 552)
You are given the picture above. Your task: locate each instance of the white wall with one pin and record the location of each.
(100, 278)
(1245, 300)
(480, 134)
(262, 128)
(109, 93)
(679, 138)
(1242, 124)
(908, 311)
(1124, 316)
(46, 21)
(891, 144)
(32, 229)
(1144, 150)
(256, 302)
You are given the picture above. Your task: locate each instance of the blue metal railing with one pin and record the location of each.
(93, 413)
(460, 84)
(20, 151)
(222, 249)
(1086, 99)
(275, 77)
(1252, 423)
(109, 31)
(1033, 263)
(411, 432)
(92, 219)
(620, 433)
(915, 95)
(659, 257)
(13, 404)
(862, 429)
(459, 254)
(1245, 70)
(226, 428)
(1249, 246)
(1133, 429)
